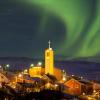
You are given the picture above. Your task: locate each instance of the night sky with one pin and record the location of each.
(26, 26)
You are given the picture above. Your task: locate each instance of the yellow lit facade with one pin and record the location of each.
(36, 71)
(57, 73)
(49, 61)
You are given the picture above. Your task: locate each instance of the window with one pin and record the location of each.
(48, 54)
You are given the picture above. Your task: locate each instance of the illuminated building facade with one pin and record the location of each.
(78, 87)
(57, 73)
(36, 71)
(49, 61)
(39, 71)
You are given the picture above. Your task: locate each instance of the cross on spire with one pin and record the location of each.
(49, 44)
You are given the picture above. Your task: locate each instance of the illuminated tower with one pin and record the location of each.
(49, 60)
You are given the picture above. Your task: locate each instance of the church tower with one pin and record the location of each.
(49, 60)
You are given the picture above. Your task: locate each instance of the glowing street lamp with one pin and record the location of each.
(25, 71)
(64, 79)
(83, 93)
(94, 91)
(20, 75)
(0, 66)
(39, 63)
(73, 75)
(7, 65)
(56, 85)
(81, 77)
(32, 65)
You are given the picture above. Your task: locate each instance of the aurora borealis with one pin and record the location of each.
(73, 26)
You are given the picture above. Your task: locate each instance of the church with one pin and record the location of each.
(49, 68)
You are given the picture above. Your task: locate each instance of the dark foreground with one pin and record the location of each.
(43, 95)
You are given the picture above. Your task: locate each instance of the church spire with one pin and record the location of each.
(49, 44)
(49, 60)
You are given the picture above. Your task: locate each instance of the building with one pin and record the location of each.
(36, 71)
(39, 71)
(57, 73)
(77, 87)
(3, 78)
(49, 60)
(96, 85)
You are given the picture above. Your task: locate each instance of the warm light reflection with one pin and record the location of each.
(20, 75)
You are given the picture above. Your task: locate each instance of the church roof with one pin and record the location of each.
(50, 77)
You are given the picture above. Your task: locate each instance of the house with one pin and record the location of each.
(77, 87)
(96, 86)
(3, 78)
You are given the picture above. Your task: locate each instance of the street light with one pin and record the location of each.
(25, 71)
(39, 63)
(20, 75)
(7, 65)
(32, 65)
(81, 77)
(0, 66)
(56, 85)
(73, 75)
(64, 78)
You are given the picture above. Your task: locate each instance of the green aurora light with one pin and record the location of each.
(82, 21)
